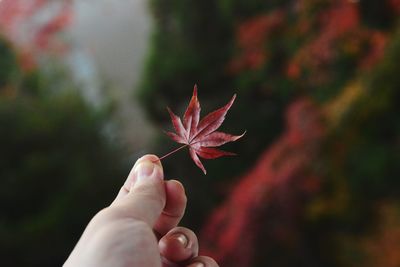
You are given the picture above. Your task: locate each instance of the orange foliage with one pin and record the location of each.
(251, 37)
(336, 108)
(282, 177)
(342, 18)
(293, 70)
(377, 47)
(383, 246)
(340, 31)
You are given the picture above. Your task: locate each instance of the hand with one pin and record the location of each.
(124, 234)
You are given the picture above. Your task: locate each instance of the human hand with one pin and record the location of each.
(124, 234)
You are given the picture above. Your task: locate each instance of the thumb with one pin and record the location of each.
(146, 198)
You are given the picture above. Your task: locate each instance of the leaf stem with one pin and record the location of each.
(172, 152)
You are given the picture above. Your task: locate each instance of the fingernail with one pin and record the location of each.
(144, 169)
(181, 239)
(197, 264)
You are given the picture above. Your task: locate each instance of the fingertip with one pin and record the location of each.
(202, 261)
(149, 157)
(131, 179)
(176, 198)
(146, 170)
(175, 189)
(178, 245)
(174, 208)
(174, 246)
(197, 264)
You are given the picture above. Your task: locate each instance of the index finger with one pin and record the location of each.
(174, 208)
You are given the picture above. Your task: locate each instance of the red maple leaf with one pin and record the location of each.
(200, 135)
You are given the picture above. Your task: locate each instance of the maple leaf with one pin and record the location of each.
(200, 135)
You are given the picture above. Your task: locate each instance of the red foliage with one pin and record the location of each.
(293, 70)
(336, 21)
(43, 38)
(382, 246)
(395, 5)
(31, 25)
(281, 178)
(378, 41)
(339, 31)
(251, 37)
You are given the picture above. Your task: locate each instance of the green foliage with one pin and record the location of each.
(362, 154)
(9, 69)
(330, 44)
(179, 53)
(57, 167)
(375, 151)
(190, 47)
(377, 14)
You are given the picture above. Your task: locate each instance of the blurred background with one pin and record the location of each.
(84, 87)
